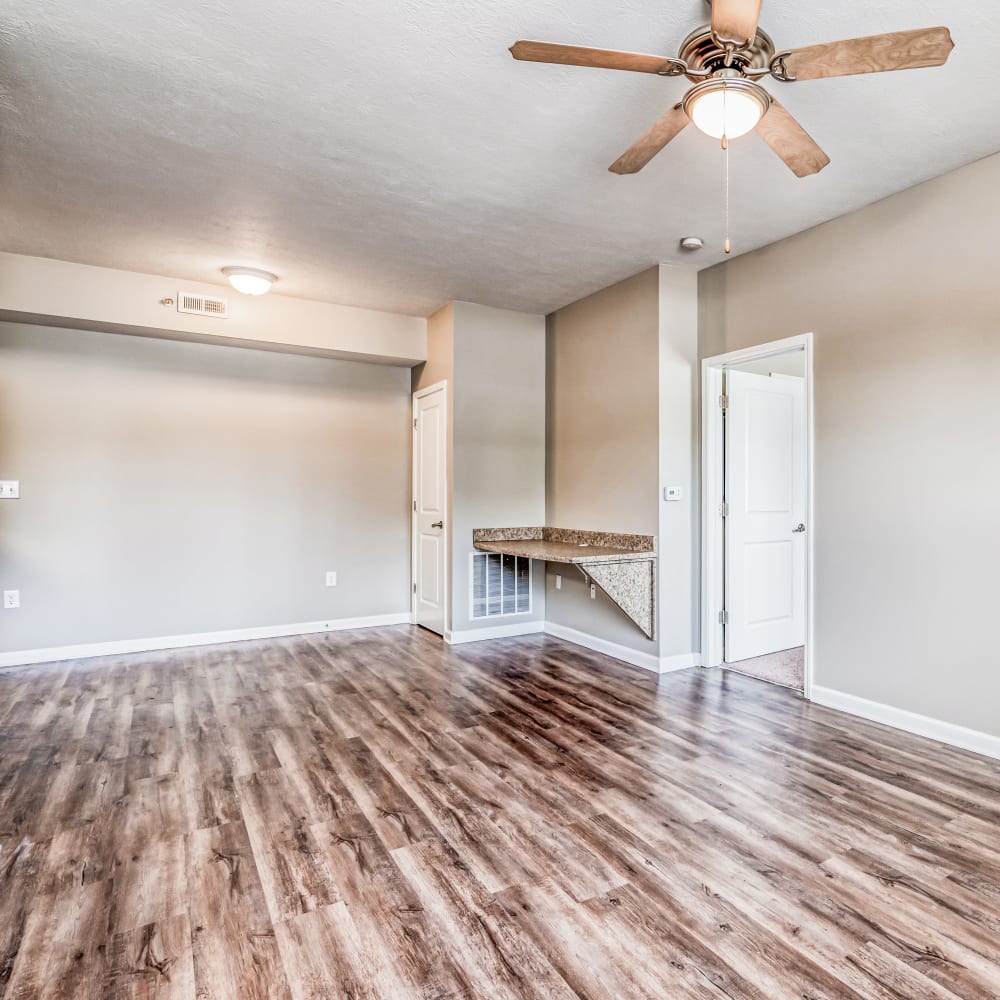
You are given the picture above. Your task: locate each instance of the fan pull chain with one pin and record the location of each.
(725, 150)
(725, 153)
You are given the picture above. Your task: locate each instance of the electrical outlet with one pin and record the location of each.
(593, 591)
(10, 489)
(672, 493)
(11, 599)
(331, 578)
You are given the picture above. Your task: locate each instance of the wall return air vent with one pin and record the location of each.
(202, 305)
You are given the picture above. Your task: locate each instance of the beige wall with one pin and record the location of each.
(902, 298)
(440, 364)
(602, 465)
(59, 293)
(172, 488)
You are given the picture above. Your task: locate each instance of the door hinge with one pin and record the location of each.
(414, 588)
(723, 403)
(723, 617)
(414, 506)
(414, 423)
(724, 508)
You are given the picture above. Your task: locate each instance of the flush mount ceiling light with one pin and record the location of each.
(250, 280)
(726, 105)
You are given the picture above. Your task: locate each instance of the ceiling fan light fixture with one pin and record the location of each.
(250, 280)
(728, 106)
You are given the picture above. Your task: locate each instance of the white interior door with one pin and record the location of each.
(765, 529)
(430, 503)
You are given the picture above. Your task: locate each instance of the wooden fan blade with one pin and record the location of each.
(736, 20)
(874, 54)
(643, 150)
(578, 55)
(791, 142)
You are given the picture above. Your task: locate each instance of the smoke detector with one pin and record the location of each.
(692, 243)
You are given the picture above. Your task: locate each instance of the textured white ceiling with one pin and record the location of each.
(391, 154)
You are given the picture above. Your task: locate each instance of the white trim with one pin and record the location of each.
(711, 527)
(494, 632)
(909, 722)
(711, 472)
(760, 351)
(442, 387)
(659, 665)
(118, 647)
(682, 661)
(639, 659)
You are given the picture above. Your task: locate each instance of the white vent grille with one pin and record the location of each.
(500, 585)
(202, 305)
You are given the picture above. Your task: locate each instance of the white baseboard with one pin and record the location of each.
(638, 659)
(660, 665)
(682, 661)
(909, 722)
(493, 632)
(122, 646)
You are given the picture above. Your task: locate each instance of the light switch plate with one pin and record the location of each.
(11, 599)
(331, 578)
(10, 489)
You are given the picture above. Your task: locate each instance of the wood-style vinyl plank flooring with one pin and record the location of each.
(376, 815)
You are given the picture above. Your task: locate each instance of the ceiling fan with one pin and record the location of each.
(725, 59)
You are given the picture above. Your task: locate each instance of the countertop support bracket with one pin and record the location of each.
(632, 586)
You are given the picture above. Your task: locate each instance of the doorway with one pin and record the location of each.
(757, 513)
(430, 508)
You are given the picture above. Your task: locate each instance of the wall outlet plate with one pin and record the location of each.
(593, 591)
(11, 599)
(672, 493)
(10, 489)
(331, 578)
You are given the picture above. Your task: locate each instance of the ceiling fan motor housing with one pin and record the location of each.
(702, 52)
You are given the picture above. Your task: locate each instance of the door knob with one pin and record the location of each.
(440, 524)
(799, 529)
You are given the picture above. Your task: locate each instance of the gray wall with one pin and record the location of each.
(494, 363)
(440, 367)
(172, 488)
(602, 468)
(902, 297)
(680, 526)
(499, 473)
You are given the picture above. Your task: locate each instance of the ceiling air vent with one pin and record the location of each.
(202, 305)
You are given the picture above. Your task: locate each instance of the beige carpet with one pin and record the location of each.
(787, 668)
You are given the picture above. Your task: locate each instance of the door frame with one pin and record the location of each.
(712, 550)
(442, 387)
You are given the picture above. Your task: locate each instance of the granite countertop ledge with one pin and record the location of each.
(565, 545)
